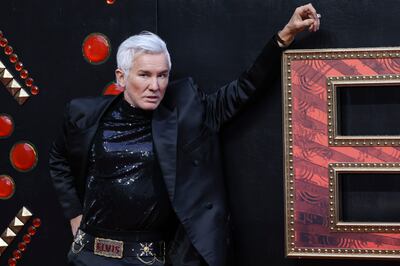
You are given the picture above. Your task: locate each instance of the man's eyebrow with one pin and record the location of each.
(149, 72)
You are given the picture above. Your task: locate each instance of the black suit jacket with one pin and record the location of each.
(185, 132)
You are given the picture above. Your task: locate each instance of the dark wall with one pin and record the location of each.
(213, 41)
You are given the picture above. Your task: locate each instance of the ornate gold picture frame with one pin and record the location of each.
(315, 153)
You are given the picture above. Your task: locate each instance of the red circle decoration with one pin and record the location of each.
(3, 42)
(23, 156)
(12, 262)
(26, 238)
(6, 126)
(31, 230)
(21, 246)
(34, 90)
(29, 82)
(112, 89)
(7, 187)
(17, 254)
(96, 48)
(19, 66)
(8, 50)
(36, 222)
(13, 58)
(110, 2)
(24, 73)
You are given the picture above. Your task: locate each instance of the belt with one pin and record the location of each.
(143, 250)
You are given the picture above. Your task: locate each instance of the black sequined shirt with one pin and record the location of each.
(125, 190)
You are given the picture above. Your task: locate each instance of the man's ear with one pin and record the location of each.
(120, 77)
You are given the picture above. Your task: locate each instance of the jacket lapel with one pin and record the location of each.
(164, 129)
(87, 135)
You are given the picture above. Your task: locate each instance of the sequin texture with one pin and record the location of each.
(125, 190)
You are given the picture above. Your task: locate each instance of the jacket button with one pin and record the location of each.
(209, 205)
(195, 162)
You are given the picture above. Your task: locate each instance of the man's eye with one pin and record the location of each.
(143, 75)
(163, 76)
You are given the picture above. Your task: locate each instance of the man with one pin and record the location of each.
(127, 167)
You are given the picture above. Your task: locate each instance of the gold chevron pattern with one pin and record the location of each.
(12, 85)
(13, 228)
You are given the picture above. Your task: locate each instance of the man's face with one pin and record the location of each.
(147, 80)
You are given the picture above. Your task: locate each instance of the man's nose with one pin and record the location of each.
(154, 85)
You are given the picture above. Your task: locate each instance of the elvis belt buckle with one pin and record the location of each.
(108, 247)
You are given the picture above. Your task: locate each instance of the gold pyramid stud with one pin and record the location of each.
(16, 225)
(21, 96)
(13, 87)
(6, 77)
(2, 68)
(24, 214)
(8, 235)
(3, 245)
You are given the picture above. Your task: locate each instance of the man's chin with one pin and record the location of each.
(149, 106)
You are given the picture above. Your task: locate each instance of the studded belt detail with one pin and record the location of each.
(148, 252)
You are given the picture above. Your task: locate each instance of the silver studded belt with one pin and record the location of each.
(147, 252)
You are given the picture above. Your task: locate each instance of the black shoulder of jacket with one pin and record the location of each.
(88, 109)
(177, 89)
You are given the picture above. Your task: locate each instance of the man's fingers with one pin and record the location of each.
(307, 23)
(311, 10)
(307, 11)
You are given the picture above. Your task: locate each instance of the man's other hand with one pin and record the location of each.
(75, 223)
(304, 17)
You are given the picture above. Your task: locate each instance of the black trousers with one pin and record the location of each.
(88, 258)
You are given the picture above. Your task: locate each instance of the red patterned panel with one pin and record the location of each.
(308, 153)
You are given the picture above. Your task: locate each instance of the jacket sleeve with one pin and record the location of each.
(61, 174)
(223, 104)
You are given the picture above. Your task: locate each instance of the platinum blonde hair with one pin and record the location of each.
(144, 42)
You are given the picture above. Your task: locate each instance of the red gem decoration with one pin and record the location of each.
(110, 2)
(34, 90)
(29, 82)
(17, 254)
(24, 73)
(31, 230)
(6, 126)
(96, 48)
(21, 246)
(19, 66)
(7, 187)
(3, 42)
(8, 50)
(36, 222)
(23, 156)
(112, 89)
(13, 58)
(27, 238)
(12, 262)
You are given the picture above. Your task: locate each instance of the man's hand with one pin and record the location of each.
(75, 223)
(304, 17)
